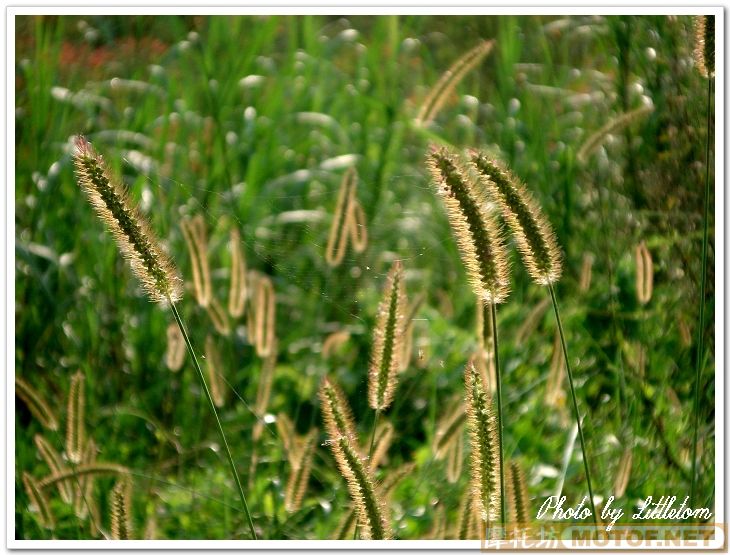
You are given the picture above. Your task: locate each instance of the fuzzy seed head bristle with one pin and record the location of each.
(121, 498)
(704, 52)
(337, 414)
(532, 232)
(476, 230)
(361, 486)
(482, 426)
(387, 341)
(133, 235)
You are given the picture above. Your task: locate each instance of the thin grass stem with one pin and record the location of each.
(215, 414)
(575, 402)
(703, 279)
(500, 421)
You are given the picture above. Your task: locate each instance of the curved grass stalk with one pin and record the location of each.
(575, 402)
(215, 414)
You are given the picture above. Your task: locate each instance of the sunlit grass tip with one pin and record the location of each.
(387, 340)
(475, 228)
(133, 235)
(704, 51)
(482, 426)
(532, 232)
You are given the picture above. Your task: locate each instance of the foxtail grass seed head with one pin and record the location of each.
(455, 459)
(532, 232)
(467, 526)
(445, 86)
(75, 424)
(383, 439)
(333, 342)
(644, 274)
(338, 419)
(370, 510)
(55, 463)
(38, 502)
(133, 235)
(609, 128)
(218, 316)
(449, 428)
(121, 509)
(438, 528)
(263, 391)
(175, 353)
(623, 473)
(340, 230)
(238, 291)
(197, 242)
(704, 52)
(262, 314)
(85, 488)
(213, 365)
(357, 226)
(387, 340)
(299, 476)
(475, 229)
(286, 431)
(554, 391)
(37, 406)
(586, 272)
(518, 495)
(482, 426)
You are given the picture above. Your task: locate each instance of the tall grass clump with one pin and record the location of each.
(539, 249)
(149, 263)
(704, 54)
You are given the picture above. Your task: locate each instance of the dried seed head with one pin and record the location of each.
(121, 509)
(75, 425)
(55, 464)
(532, 232)
(357, 225)
(35, 403)
(38, 501)
(263, 391)
(445, 86)
(175, 353)
(262, 314)
(85, 488)
(299, 475)
(586, 271)
(133, 235)
(333, 342)
(644, 274)
(239, 290)
(612, 126)
(338, 419)
(455, 459)
(450, 426)
(342, 220)
(218, 316)
(704, 51)
(214, 367)
(197, 242)
(387, 338)
(482, 426)
(383, 438)
(475, 229)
